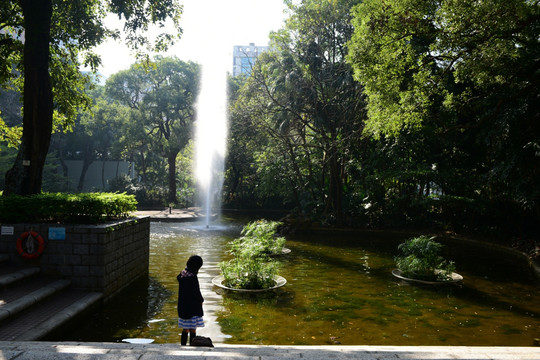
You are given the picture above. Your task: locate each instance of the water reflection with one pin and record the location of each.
(340, 291)
(170, 247)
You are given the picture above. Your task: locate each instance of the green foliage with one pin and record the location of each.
(248, 273)
(66, 208)
(416, 57)
(161, 94)
(251, 267)
(122, 184)
(305, 110)
(7, 156)
(185, 176)
(259, 237)
(463, 75)
(10, 117)
(41, 46)
(420, 259)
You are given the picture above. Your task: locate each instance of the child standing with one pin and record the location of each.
(190, 300)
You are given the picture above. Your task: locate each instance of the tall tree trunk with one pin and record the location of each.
(65, 168)
(103, 185)
(143, 168)
(87, 161)
(25, 176)
(171, 159)
(335, 188)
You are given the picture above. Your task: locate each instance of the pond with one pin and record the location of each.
(339, 291)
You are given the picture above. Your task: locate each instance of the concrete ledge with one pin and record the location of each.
(117, 351)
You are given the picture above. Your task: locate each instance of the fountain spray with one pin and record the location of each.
(210, 135)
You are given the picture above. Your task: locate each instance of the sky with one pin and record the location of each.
(210, 29)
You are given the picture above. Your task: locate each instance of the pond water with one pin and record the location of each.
(339, 291)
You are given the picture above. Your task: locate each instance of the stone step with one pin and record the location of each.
(20, 289)
(24, 295)
(10, 275)
(33, 305)
(4, 258)
(39, 320)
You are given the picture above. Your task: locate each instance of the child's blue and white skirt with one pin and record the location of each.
(193, 323)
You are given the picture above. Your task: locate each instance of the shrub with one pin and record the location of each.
(66, 208)
(420, 259)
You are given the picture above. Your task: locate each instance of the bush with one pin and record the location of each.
(420, 259)
(66, 208)
(123, 184)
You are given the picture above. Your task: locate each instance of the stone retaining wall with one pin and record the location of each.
(104, 258)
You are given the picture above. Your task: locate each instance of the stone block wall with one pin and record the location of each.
(105, 258)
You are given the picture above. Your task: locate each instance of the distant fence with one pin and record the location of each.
(99, 173)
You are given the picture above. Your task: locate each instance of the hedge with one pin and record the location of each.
(66, 208)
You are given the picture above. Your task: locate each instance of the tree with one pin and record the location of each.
(163, 94)
(54, 32)
(10, 118)
(413, 55)
(97, 133)
(467, 73)
(304, 96)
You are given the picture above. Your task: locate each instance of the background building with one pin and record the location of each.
(244, 58)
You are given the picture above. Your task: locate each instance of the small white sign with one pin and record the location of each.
(7, 230)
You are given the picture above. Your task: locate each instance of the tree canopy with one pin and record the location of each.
(162, 96)
(41, 42)
(303, 96)
(370, 113)
(456, 63)
(466, 72)
(395, 113)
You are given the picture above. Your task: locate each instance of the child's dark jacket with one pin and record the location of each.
(189, 295)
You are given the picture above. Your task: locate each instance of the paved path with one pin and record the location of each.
(121, 351)
(176, 215)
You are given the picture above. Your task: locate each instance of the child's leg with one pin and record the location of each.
(183, 338)
(192, 334)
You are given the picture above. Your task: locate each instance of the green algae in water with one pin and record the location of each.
(231, 324)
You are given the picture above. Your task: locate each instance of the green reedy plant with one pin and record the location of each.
(249, 272)
(420, 259)
(260, 235)
(251, 267)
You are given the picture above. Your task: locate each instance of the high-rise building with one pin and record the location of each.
(244, 58)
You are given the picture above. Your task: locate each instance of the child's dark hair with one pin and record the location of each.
(194, 263)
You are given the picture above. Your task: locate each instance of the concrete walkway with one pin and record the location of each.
(121, 351)
(173, 215)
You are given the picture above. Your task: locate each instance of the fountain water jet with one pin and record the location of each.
(210, 135)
